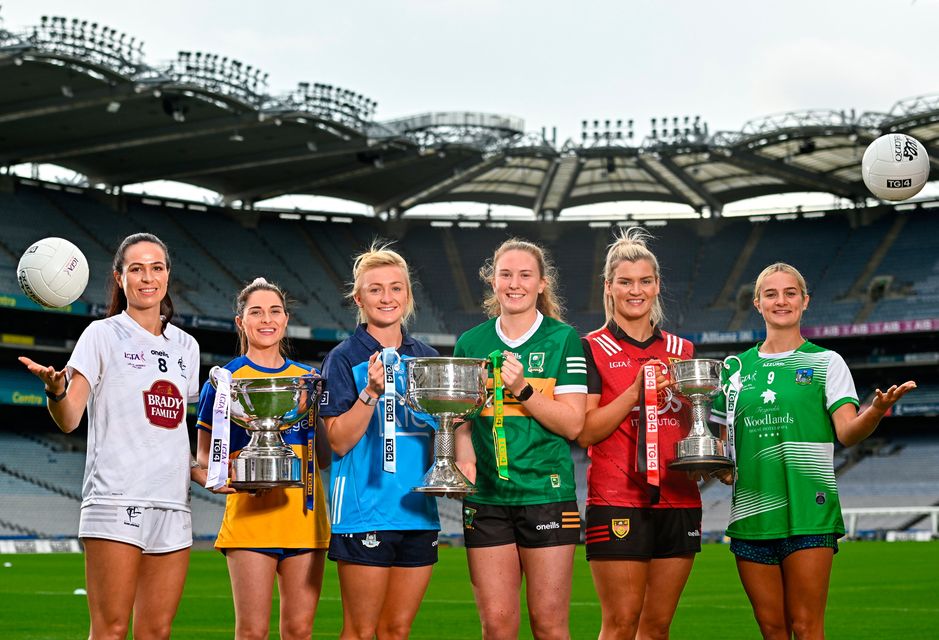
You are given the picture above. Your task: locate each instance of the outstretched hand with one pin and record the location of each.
(55, 381)
(886, 399)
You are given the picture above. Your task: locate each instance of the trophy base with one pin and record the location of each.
(266, 472)
(701, 453)
(702, 463)
(446, 479)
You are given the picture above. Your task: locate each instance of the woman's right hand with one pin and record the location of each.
(662, 380)
(225, 489)
(55, 381)
(468, 469)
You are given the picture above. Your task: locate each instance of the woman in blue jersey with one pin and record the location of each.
(279, 533)
(792, 400)
(384, 535)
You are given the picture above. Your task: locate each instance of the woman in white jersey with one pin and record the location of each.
(135, 373)
(792, 400)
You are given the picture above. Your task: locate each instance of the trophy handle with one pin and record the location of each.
(311, 392)
(212, 373)
(727, 365)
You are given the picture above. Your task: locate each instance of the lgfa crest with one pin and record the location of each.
(620, 527)
(536, 362)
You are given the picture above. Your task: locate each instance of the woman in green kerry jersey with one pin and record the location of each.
(788, 401)
(523, 520)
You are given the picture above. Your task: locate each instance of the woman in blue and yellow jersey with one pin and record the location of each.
(384, 535)
(272, 532)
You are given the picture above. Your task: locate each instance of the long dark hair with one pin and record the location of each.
(241, 301)
(118, 301)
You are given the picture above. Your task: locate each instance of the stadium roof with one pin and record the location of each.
(80, 95)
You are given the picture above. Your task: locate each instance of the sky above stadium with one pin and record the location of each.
(554, 64)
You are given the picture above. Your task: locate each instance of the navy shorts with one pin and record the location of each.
(642, 533)
(385, 548)
(775, 551)
(275, 552)
(531, 526)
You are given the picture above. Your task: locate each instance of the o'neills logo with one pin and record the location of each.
(904, 147)
(163, 404)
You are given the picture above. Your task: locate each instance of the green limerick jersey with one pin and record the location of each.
(540, 469)
(784, 445)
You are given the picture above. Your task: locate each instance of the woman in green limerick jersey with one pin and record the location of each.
(788, 400)
(524, 518)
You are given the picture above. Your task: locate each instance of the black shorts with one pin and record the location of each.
(534, 525)
(642, 533)
(385, 548)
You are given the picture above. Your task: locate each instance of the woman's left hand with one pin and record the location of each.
(513, 373)
(886, 399)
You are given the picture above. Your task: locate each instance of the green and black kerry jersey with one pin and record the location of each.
(539, 461)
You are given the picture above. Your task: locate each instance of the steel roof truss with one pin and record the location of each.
(796, 175)
(124, 140)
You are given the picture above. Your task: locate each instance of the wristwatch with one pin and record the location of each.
(367, 399)
(56, 398)
(525, 393)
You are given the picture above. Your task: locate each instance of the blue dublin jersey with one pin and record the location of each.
(363, 497)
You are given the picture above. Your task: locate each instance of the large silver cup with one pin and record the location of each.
(700, 381)
(450, 389)
(265, 407)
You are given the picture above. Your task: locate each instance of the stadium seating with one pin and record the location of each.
(706, 266)
(40, 488)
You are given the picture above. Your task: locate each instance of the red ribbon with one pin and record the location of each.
(651, 412)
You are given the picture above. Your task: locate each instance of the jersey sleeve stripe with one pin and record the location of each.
(338, 489)
(562, 389)
(606, 349)
(607, 344)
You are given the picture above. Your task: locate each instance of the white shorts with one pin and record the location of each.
(153, 530)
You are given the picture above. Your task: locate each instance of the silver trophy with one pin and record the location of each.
(265, 407)
(450, 389)
(700, 382)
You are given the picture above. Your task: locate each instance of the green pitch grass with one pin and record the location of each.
(878, 590)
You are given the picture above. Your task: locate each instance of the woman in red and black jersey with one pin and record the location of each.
(643, 519)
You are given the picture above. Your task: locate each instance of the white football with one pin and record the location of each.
(895, 167)
(53, 272)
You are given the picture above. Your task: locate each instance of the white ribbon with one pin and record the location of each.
(391, 361)
(732, 390)
(221, 426)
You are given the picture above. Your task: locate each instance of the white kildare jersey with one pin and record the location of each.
(138, 442)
